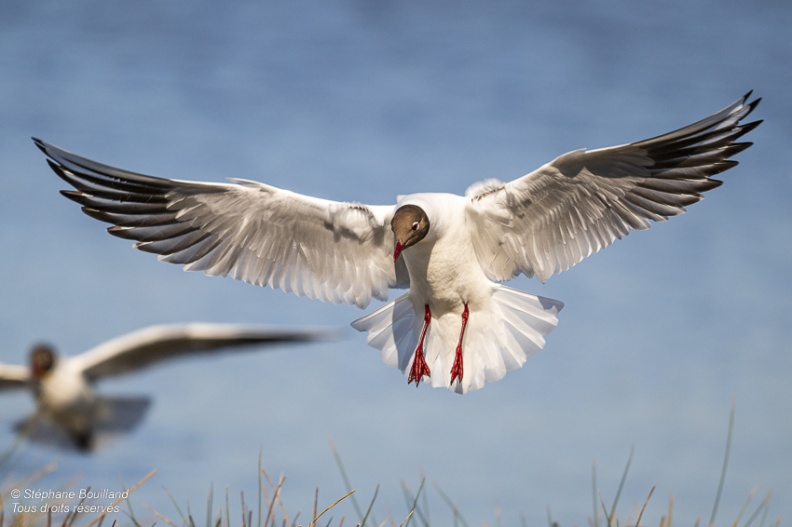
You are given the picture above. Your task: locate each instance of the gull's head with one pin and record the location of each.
(42, 360)
(409, 225)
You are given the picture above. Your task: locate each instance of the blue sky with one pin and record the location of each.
(354, 102)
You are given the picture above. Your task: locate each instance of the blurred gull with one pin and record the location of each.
(455, 326)
(71, 415)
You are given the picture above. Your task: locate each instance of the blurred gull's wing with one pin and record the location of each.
(14, 376)
(153, 344)
(329, 250)
(554, 217)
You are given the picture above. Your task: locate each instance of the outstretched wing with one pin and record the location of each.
(14, 376)
(154, 344)
(254, 232)
(547, 221)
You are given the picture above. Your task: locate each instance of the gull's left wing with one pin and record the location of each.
(552, 218)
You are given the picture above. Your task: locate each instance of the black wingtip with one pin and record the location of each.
(41, 145)
(753, 104)
(73, 195)
(750, 105)
(53, 152)
(60, 171)
(748, 96)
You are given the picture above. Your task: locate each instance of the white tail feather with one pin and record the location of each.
(496, 341)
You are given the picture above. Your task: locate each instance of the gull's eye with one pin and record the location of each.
(415, 226)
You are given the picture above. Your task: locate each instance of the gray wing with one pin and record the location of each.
(154, 344)
(341, 252)
(14, 376)
(554, 217)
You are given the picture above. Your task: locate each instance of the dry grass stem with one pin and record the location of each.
(336, 502)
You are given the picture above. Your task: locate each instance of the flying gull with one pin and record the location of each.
(456, 326)
(70, 414)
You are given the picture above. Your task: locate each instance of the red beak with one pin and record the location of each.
(397, 252)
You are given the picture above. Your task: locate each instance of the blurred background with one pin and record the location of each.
(362, 101)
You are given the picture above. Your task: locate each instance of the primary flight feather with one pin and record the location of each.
(456, 326)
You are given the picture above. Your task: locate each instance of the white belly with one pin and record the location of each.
(68, 400)
(446, 275)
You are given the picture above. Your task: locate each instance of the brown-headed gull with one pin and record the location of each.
(456, 326)
(70, 414)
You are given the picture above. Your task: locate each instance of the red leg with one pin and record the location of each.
(419, 366)
(457, 369)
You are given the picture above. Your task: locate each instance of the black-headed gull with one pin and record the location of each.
(455, 326)
(70, 414)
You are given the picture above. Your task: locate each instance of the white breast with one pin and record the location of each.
(444, 271)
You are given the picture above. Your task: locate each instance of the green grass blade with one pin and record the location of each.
(457, 515)
(612, 513)
(415, 502)
(726, 454)
(370, 507)
(347, 482)
(595, 520)
(209, 506)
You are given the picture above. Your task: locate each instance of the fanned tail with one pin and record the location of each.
(497, 340)
(113, 417)
(392, 330)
